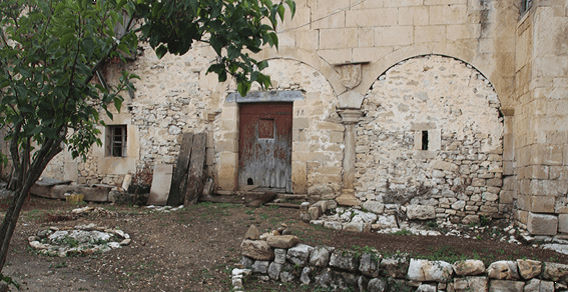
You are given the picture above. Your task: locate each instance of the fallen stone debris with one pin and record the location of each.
(96, 211)
(163, 209)
(273, 256)
(326, 213)
(81, 240)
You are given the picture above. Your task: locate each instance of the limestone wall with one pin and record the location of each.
(460, 172)
(540, 179)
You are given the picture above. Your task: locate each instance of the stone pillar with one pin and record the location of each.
(350, 119)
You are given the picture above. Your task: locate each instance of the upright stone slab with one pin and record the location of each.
(161, 180)
(180, 171)
(195, 170)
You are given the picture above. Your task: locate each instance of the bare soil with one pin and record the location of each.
(195, 248)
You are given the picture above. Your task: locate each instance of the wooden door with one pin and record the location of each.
(265, 145)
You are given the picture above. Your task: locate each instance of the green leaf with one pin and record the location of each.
(117, 103)
(161, 50)
(120, 4)
(67, 38)
(281, 11)
(233, 52)
(292, 6)
(88, 46)
(243, 88)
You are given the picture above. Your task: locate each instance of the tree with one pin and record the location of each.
(51, 51)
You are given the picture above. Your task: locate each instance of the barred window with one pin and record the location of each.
(116, 141)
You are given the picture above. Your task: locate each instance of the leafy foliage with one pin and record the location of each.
(51, 52)
(234, 28)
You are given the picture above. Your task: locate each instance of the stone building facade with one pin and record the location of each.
(457, 108)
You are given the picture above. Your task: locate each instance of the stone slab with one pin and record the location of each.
(161, 181)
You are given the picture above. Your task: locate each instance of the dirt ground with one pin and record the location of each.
(195, 248)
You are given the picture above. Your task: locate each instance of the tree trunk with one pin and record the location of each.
(49, 149)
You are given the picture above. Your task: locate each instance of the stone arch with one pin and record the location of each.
(465, 54)
(431, 136)
(317, 139)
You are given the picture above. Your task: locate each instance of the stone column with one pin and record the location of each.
(350, 119)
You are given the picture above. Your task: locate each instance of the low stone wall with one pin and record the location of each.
(282, 258)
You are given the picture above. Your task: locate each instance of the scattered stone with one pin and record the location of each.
(529, 269)
(274, 271)
(469, 268)
(260, 267)
(503, 270)
(427, 271)
(252, 233)
(299, 254)
(555, 272)
(257, 249)
(282, 241)
(377, 285)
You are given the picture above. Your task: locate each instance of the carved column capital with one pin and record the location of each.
(350, 116)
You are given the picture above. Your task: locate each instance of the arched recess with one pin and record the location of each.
(431, 136)
(380, 64)
(317, 134)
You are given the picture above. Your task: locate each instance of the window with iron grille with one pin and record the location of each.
(116, 141)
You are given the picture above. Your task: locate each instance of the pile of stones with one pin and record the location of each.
(278, 257)
(81, 240)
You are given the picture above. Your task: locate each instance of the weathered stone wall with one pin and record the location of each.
(460, 172)
(539, 119)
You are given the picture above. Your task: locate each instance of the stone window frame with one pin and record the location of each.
(116, 142)
(434, 137)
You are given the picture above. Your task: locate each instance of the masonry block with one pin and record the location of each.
(542, 204)
(563, 223)
(540, 224)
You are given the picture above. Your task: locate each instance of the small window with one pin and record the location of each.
(526, 6)
(116, 141)
(425, 140)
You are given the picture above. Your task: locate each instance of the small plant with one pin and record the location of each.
(249, 212)
(9, 281)
(403, 232)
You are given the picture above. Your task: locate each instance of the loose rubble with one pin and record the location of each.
(326, 213)
(81, 240)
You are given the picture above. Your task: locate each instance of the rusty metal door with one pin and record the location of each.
(265, 145)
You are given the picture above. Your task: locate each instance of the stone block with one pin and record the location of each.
(345, 260)
(338, 38)
(282, 241)
(374, 206)
(470, 284)
(429, 271)
(369, 264)
(426, 34)
(415, 15)
(320, 256)
(257, 249)
(555, 272)
(448, 14)
(506, 197)
(503, 270)
(542, 204)
(529, 269)
(300, 254)
(563, 223)
(536, 285)
(394, 35)
(395, 266)
(401, 3)
(463, 31)
(508, 286)
(469, 267)
(420, 212)
(540, 224)
(371, 17)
